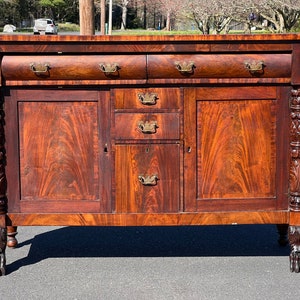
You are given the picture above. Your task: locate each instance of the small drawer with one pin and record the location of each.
(219, 66)
(152, 98)
(146, 126)
(150, 178)
(70, 67)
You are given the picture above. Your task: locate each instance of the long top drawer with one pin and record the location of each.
(219, 66)
(143, 68)
(70, 67)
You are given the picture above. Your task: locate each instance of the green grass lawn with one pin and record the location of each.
(153, 32)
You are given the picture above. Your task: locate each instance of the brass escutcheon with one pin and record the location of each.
(255, 66)
(148, 98)
(147, 127)
(39, 68)
(109, 68)
(148, 179)
(185, 67)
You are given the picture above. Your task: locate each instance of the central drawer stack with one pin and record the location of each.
(147, 150)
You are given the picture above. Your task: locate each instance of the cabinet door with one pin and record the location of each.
(58, 149)
(235, 154)
(147, 178)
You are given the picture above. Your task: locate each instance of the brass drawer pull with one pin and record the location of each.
(185, 67)
(109, 68)
(148, 179)
(255, 66)
(148, 98)
(147, 127)
(39, 68)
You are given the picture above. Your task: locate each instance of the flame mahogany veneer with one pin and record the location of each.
(150, 131)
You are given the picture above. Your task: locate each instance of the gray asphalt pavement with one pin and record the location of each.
(112, 263)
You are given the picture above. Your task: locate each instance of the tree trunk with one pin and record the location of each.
(102, 17)
(145, 15)
(86, 17)
(282, 28)
(247, 28)
(124, 17)
(168, 24)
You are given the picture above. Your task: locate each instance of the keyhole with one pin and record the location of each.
(105, 148)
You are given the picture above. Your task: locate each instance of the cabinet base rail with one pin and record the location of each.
(280, 218)
(151, 219)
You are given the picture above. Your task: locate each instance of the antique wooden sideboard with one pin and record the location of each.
(150, 130)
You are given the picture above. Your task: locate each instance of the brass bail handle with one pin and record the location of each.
(147, 127)
(148, 179)
(39, 68)
(109, 68)
(185, 67)
(148, 98)
(255, 66)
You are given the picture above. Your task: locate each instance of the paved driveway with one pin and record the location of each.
(218, 262)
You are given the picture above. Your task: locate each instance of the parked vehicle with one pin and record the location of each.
(44, 26)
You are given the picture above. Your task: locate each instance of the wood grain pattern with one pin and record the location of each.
(219, 66)
(127, 126)
(240, 162)
(133, 161)
(167, 98)
(237, 153)
(221, 155)
(76, 67)
(150, 44)
(58, 156)
(152, 219)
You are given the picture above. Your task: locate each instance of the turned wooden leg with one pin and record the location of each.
(12, 242)
(294, 238)
(282, 230)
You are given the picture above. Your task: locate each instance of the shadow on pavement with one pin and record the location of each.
(186, 241)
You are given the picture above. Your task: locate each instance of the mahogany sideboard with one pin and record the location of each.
(150, 130)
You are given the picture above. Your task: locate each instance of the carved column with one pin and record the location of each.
(3, 199)
(294, 178)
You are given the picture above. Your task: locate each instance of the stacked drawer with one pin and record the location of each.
(92, 68)
(219, 66)
(145, 68)
(147, 135)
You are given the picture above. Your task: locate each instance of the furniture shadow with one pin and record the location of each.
(183, 241)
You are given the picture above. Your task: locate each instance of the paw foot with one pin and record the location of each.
(295, 261)
(2, 264)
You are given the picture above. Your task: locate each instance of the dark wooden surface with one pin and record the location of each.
(213, 149)
(164, 130)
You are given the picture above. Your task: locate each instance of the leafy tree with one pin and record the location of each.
(281, 15)
(52, 8)
(9, 12)
(210, 17)
(215, 16)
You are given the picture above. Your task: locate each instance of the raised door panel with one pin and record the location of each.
(59, 160)
(147, 178)
(235, 149)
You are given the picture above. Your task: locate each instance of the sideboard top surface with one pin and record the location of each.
(146, 43)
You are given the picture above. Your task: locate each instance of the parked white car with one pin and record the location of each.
(44, 26)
